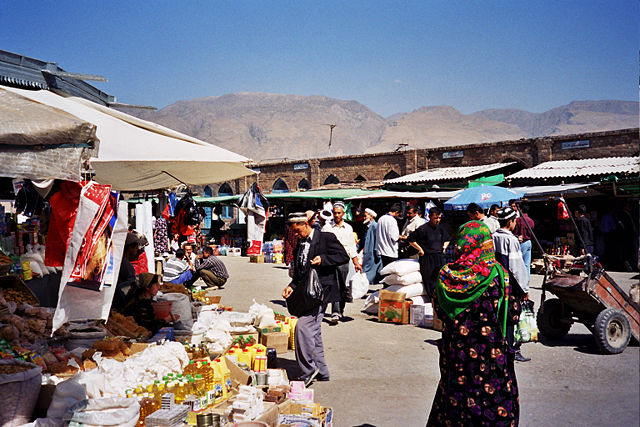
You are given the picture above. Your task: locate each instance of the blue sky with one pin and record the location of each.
(392, 56)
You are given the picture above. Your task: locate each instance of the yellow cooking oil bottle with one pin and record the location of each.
(190, 369)
(209, 382)
(292, 324)
(202, 394)
(225, 373)
(220, 391)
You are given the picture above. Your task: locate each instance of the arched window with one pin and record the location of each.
(304, 184)
(225, 190)
(227, 211)
(360, 178)
(207, 210)
(280, 186)
(391, 175)
(331, 179)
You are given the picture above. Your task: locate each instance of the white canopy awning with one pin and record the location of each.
(138, 155)
(384, 194)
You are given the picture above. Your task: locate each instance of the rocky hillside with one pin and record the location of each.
(265, 126)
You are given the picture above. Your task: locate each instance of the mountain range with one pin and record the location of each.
(266, 126)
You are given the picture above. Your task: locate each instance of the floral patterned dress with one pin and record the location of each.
(478, 383)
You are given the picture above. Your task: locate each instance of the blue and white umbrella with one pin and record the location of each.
(483, 195)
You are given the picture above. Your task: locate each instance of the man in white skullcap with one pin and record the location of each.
(371, 263)
(344, 233)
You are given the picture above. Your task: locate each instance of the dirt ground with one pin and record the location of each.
(386, 375)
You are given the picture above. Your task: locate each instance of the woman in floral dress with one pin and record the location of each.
(478, 383)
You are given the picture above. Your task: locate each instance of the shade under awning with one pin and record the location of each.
(38, 141)
(135, 155)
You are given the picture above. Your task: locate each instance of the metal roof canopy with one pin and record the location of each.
(580, 168)
(446, 174)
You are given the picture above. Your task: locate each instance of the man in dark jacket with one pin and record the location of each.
(584, 226)
(320, 252)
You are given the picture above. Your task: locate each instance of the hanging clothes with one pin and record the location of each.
(64, 206)
(161, 236)
(144, 225)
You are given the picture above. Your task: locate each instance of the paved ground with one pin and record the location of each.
(386, 375)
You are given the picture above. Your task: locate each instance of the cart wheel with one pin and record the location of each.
(612, 331)
(551, 322)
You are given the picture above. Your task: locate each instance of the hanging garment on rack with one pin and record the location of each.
(64, 206)
(144, 221)
(161, 236)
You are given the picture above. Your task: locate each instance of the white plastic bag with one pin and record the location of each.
(112, 411)
(405, 279)
(359, 285)
(401, 267)
(371, 303)
(181, 306)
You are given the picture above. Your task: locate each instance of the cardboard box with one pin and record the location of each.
(314, 414)
(238, 376)
(270, 329)
(252, 335)
(259, 259)
(277, 340)
(406, 310)
(391, 307)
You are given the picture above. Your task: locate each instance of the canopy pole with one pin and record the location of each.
(181, 182)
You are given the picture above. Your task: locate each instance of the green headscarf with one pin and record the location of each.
(461, 282)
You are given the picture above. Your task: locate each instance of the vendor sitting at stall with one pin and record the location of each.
(210, 269)
(133, 247)
(139, 303)
(178, 269)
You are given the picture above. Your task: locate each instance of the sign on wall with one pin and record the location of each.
(300, 166)
(575, 144)
(452, 154)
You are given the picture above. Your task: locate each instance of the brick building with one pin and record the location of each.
(371, 169)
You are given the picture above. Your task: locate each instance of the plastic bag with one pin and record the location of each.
(527, 330)
(181, 306)
(112, 411)
(359, 285)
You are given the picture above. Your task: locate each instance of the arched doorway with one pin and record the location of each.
(207, 211)
(331, 179)
(280, 186)
(304, 184)
(391, 175)
(227, 211)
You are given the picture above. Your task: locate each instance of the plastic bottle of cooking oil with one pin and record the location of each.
(226, 375)
(179, 392)
(202, 391)
(209, 382)
(244, 357)
(218, 380)
(190, 369)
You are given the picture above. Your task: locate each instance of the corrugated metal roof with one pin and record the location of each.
(446, 174)
(585, 167)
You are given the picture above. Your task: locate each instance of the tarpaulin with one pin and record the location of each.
(95, 248)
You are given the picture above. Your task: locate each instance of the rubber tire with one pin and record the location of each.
(612, 331)
(548, 321)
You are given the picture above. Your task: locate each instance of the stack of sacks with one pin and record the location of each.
(404, 276)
